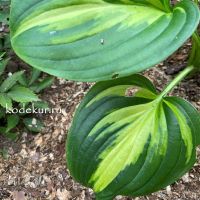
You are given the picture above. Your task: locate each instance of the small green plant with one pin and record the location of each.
(17, 93)
(117, 145)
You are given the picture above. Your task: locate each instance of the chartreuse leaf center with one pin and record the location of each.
(59, 19)
(143, 124)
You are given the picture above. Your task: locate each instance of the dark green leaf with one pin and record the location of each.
(12, 122)
(9, 135)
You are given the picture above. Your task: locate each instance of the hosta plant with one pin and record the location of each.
(118, 144)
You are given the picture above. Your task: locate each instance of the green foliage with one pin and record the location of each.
(12, 122)
(17, 94)
(96, 40)
(35, 82)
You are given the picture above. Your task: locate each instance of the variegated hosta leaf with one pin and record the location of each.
(120, 145)
(92, 40)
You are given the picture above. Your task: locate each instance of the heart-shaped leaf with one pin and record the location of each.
(94, 40)
(132, 146)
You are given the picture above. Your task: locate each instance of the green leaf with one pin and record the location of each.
(10, 135)
(34, 76)
(22, 94)
(33, 124)
(131, 146)
(3, 64)
(23, 80)
(10, 81)
(5, 101)
(45, 83)
(95, 40)
(12, 122)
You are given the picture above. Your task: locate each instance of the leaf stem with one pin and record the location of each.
(176, 81)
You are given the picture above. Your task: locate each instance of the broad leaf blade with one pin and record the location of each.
(127, 40)
(132, 146)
